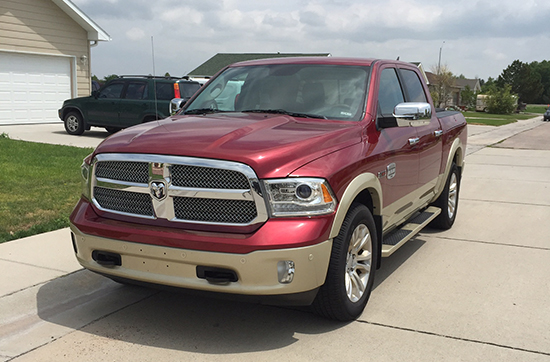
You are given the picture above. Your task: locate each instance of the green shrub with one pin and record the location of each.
(501, 100)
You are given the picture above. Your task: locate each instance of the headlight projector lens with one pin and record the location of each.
(303, 191)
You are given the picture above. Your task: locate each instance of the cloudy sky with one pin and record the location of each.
(477, 38)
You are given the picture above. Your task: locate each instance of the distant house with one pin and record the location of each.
(459, 84)
(220, 60)
(44, 58)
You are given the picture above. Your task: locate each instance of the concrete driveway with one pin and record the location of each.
(478, 292)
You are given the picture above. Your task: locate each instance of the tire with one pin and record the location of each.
(74, 124)
(448, 201)
(112, 130)
(350, 274)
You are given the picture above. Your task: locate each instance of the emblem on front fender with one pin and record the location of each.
(158, 190)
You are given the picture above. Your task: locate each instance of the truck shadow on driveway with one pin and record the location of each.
(178, 321)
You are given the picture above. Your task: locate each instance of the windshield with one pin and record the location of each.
(304, 90)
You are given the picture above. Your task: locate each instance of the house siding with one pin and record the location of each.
(41, 27)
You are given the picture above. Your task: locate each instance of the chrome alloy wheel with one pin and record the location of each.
(358, 263)
(72, 123)
(453, 195)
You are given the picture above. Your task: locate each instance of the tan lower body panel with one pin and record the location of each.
(256, 271)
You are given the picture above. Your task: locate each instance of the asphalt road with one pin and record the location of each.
(478, 292)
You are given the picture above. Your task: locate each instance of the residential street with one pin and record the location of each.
(478, 292)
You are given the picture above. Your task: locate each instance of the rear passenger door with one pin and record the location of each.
(134, 103)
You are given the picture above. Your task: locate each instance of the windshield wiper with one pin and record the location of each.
(282, 111)
(202, 111)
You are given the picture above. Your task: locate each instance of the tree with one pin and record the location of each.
(500, 100)
(525, 82)
(543, 70)
(109, 77)
(443, 82)
(468, 97)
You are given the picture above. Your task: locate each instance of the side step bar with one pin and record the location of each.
(405, 232)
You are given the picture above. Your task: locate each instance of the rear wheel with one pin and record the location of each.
(448, 201)
(74, 125)
(350, 274)
(112, 130)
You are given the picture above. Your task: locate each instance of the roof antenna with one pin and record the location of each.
(154, 79)
(397, 58)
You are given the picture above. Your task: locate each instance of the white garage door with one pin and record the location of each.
(32, 87)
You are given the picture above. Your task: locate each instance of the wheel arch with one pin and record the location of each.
(456, 156)
(69, 109)
(364, 189)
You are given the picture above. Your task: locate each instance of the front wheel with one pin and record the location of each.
(74, 124)
(448, 201)
(350, 273)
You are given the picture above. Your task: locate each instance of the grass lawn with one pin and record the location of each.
(495, 119)
(536, 108)
(39, 186)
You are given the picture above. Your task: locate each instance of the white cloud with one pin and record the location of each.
(135, 34)
(481, 37)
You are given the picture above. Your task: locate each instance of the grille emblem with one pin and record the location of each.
(158, 190)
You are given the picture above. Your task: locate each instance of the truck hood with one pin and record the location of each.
(273, 145)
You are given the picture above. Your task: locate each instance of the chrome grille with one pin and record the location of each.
(215, 210)
(208, 178)
(197, 190)
(123, 171)
(124, 201)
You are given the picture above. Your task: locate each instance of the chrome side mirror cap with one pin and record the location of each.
(176, 104)
(412, 114)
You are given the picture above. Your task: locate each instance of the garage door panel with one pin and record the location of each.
(33, 87)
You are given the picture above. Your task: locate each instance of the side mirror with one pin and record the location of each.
(412, 114)
(95, 93)
(176, 104)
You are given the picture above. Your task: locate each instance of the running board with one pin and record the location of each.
(400, 236)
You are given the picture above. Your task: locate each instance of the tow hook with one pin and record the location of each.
(106, 258)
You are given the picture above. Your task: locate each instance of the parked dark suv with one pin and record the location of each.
(124, 102)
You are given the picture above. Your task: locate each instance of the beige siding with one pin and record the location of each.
(40, 26)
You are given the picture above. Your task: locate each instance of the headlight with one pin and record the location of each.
(300, 197)
(85, 181)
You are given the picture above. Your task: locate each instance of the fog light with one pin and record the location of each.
(285, 270)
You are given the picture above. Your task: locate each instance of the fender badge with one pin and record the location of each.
(391, 171)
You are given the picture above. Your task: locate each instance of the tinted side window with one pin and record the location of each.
(113, 90)
(188, 89)
(165, 91)
(413, 85)
(136, 90)
(389, 93)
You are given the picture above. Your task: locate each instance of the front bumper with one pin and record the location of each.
(256, 271)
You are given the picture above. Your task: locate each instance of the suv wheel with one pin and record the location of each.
(74, 125)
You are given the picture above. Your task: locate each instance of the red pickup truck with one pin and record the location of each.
(283, 180)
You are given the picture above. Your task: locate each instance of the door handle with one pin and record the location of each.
(414, 141)
(438, 133)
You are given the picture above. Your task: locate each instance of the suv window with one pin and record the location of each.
(412, 84)
(113, 90)
(136, 90)
(165, 91)
(390, 93)
(187, 89)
